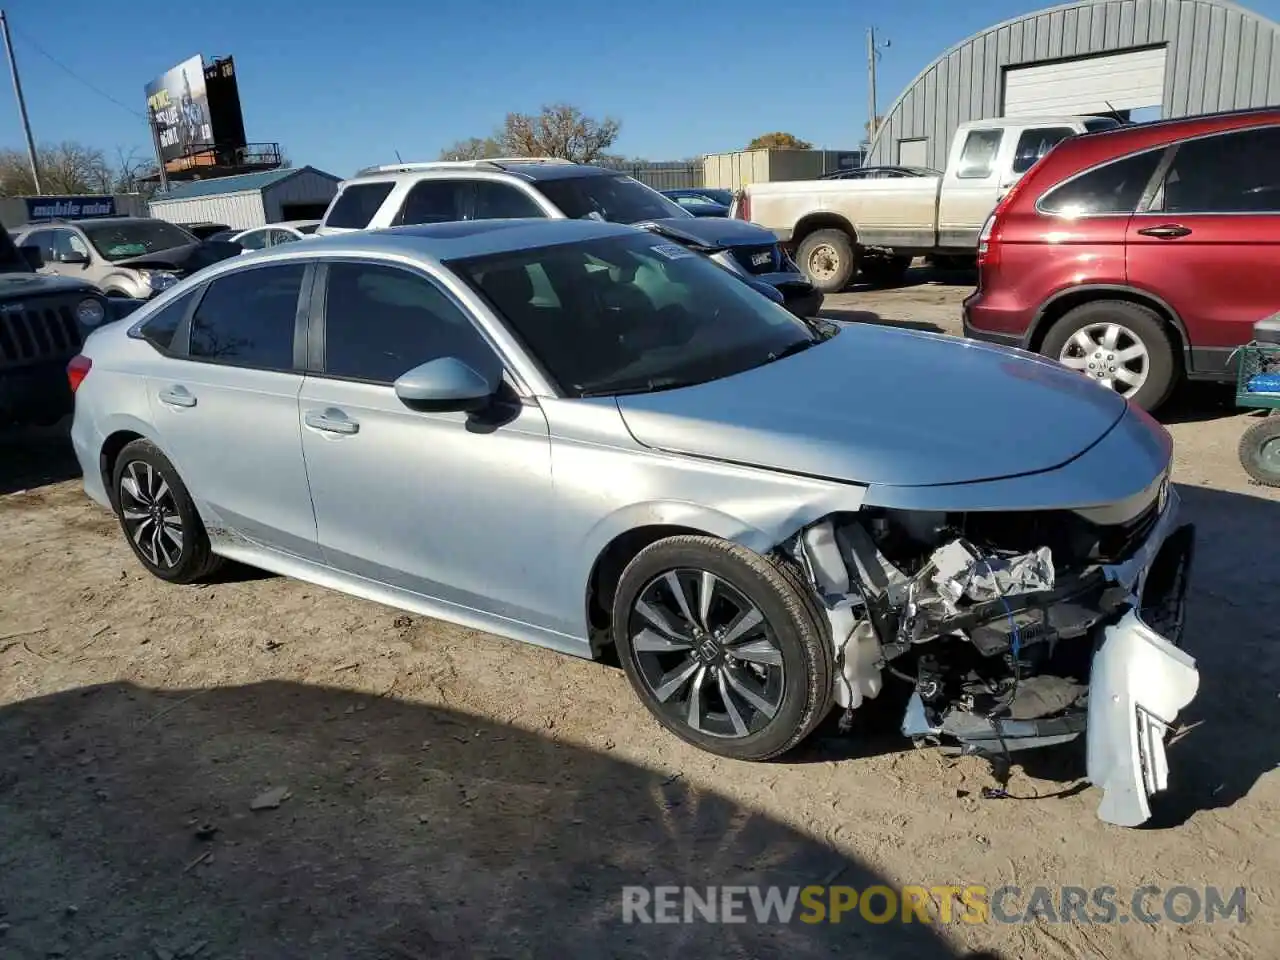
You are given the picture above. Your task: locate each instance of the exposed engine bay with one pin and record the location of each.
(998, 621)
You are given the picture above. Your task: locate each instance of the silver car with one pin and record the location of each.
(586, 437)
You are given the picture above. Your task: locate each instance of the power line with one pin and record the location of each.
(71, 73)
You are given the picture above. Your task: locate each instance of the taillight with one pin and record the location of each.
(990, 239)
(77, 370)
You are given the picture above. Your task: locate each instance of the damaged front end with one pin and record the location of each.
(1017, 630)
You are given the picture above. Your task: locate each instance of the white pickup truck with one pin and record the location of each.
(840, 227)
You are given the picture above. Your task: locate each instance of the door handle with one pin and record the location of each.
(1166, 231)
(331, 421)
(177, 396)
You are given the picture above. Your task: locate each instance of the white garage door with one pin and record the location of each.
(1127, 81)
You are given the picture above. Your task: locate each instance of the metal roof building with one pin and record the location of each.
(249, 199)
(1170, 58)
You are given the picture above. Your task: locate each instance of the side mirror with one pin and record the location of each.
(73, 256)
(446, 384)
(33, 256)
(770, 291)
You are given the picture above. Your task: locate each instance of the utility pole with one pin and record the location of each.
(22, 104)
(155, 141)
(873, 53)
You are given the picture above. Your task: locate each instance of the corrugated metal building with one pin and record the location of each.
(249, 199)
(1170, 58)
(729, 171)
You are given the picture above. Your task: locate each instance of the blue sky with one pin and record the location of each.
(343, 84)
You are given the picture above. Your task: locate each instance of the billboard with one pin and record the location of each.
(69, 208)
(179, 107)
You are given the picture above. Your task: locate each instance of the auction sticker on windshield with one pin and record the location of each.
(672, 251)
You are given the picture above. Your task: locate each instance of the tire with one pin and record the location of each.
(1260, 451)
(777, 704)
(885, 271)
(828, 259)
(144, 478)
(1139, 326)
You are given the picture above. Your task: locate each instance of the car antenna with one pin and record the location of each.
(1116, 114)
(400, 159)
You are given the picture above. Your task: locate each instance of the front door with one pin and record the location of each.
(227, 411)
(1209, 242)
(448, 505)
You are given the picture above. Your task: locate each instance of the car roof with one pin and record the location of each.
(454, 240)
(528, 171)
(282, 223)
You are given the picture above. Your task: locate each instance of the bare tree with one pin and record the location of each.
(473, 148)
(130, 170)
(779, 141)
(65, 168)
(559, 130)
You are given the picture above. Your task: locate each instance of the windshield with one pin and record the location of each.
(618, 199)
(11, 260)
(632, 314)
(122, 239)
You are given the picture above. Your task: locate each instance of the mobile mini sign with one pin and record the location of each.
(69, 208)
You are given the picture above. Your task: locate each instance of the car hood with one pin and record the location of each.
(32, 284)
(878, 405)
(187, 258)
(711, 231)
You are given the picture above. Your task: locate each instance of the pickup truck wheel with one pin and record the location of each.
(885, 271)
(828, 259)
(1120, 345)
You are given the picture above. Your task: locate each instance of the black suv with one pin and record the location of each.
(43, 321)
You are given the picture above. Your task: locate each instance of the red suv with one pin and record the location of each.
(1139, 255)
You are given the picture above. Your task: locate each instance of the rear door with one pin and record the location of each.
(225, 406)
(1208, 240)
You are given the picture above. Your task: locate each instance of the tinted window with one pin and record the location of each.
(1035, 143)
(308, 228)
(631, 314)
(381, 322)
(247, 318)
(433, 201)
(1114, 188)
(357, 204)
(159, 329)
(1229, 173)
(495, 201)
(254, 240)
(618, 199)
(979, 154)
(42, 239)
(282, 236)
(1094, 124)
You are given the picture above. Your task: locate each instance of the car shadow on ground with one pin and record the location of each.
(397, 831)
(1197, 402)
(919, 275)
(842, 315)
(33, 457)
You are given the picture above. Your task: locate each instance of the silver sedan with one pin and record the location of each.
(585, 437)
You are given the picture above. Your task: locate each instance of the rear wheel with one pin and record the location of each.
(158, 517)
(1260, 451)
(722, 646)
(828, 259)
(1119, 345)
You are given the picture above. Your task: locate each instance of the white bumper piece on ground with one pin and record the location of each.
(1138, 684)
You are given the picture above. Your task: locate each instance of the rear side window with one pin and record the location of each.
(357, 204)
(1228, 173)
(246, 319)
(159, 329)
(434, 201)
(1114, 188)
(1035, 143)
(978, 158)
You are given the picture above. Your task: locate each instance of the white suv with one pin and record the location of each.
(522, 187)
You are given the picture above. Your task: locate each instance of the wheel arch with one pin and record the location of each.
(109, 453)
(822, 220)
(1058, 305)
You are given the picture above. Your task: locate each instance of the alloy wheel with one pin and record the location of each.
(1109, 354)
(706, 655)
(151, 515)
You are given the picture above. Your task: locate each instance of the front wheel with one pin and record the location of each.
(1119, 345)
(723, 647)
(1260, 451)
(828, 259)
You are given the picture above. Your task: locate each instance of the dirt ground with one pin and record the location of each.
(451, 794)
